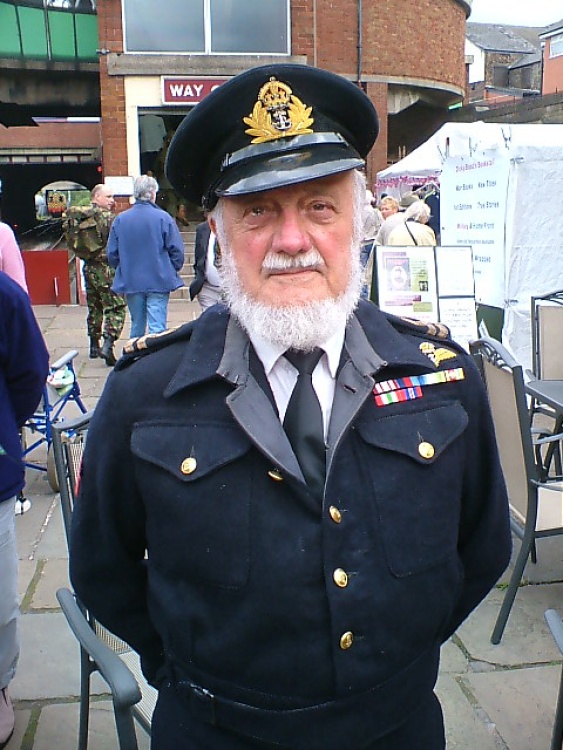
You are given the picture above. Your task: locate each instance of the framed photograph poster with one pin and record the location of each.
(433, 284)
(406, 281)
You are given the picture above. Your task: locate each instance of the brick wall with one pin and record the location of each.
(552, 71)
(112, 91)
(401, 42)
(419, 40)
(52, 135)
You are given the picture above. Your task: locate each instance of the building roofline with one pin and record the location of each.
(552, 29)
(466, 6)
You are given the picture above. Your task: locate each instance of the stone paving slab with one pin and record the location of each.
(48, 666)
(59, 722)
(465, 729)
(519, 702)
(526, 639)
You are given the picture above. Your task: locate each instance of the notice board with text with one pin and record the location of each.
(432, 284)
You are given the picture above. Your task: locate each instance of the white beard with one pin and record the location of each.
(301, 327)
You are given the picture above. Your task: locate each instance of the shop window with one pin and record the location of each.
(556, 45)
(207, 26)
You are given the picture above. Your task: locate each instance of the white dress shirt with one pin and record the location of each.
(211, 273)
(282, 375)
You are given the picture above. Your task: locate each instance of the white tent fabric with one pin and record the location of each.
(425, 162)
(533, 221)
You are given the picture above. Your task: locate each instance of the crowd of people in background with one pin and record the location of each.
(403, 222)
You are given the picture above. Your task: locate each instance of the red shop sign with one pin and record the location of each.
(178, 90)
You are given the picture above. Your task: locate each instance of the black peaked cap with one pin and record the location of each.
(269, 127)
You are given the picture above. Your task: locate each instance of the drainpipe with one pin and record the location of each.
(47, 31)
(359, 43)
(542, 66)
(315, 33)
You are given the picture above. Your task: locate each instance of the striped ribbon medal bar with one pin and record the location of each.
(406, 389)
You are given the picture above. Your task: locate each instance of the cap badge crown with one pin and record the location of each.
(277, 114)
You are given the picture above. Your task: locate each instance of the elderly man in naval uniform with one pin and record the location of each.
(288, 505)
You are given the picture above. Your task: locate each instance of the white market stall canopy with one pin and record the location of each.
(501, 192)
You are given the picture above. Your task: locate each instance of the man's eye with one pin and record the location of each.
(257, 211)
(320, 207)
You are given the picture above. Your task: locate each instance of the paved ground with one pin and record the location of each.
(494, 697)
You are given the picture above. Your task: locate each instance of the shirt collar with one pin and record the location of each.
(269, 353)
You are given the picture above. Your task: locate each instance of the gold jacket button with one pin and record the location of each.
(275, 474)
(346, 640)
(335, 514)
(426, 450)
(188, 465)
(340, 578)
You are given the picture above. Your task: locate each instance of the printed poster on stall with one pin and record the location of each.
(407, 282)
(432, 284)
(473, 213)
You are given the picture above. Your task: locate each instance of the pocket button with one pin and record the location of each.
(426, 450)
(188, 465)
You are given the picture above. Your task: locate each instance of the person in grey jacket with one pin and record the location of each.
(146, 249)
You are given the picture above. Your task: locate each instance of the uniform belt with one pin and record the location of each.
(358, 718)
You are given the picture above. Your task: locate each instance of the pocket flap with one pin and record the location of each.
(188, 451)
(437, 427)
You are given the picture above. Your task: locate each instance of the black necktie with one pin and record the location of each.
(303, 421)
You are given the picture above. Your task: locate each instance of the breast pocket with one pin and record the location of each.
(197, 486)
(415, 468)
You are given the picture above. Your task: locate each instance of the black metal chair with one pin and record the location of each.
(547, 358)
(547, 324)
(100, 651)
(536, 499)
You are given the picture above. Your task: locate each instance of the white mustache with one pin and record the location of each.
(283, 262)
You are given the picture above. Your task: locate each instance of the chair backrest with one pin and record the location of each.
(69, 438)
(507, 398)
(547, 324)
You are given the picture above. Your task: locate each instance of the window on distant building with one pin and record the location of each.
(556, 45)
(207, 26)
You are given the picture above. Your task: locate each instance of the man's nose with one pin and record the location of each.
(290, 236)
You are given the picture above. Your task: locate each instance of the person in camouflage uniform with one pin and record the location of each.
(87, 231)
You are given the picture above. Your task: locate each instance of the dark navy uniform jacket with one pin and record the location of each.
(325, 616)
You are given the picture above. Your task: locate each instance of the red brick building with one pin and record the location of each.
(155, 63)
(552, 42)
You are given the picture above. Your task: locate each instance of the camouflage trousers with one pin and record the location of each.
(106, 309)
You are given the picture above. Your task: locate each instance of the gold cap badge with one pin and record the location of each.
(277, 114)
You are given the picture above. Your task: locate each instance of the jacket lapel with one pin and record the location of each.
(354, 383)
(252, 404)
